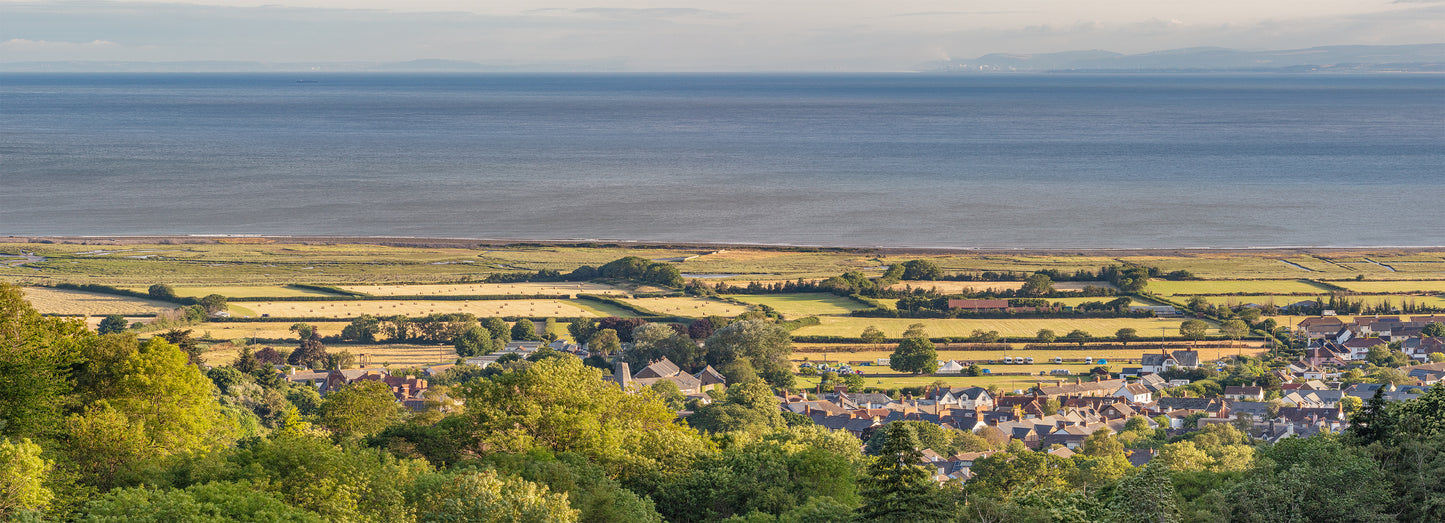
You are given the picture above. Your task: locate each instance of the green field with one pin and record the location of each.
(894, 327)
(805, 304)
(1169, 288)
(688, 306)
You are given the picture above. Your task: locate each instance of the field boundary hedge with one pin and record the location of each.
(443, 297)
(106, 289)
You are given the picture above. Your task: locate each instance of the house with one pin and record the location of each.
(962, 397)
(1360, 347)
(1098, 387)
(1321, 327)
(1244, 393)
(1135, 392)
(1255, 410)
(1156, 363)
(1155, 382)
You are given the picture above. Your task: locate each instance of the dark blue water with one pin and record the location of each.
(895, 160)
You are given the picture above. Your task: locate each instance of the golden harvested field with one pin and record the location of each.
(395, 356)
(240, 291)
(1373, 299)
(64, 301)
(688, 306)
(894, 327)
(485, 289)
(1167, 288)
(801, 305)
(1393, 286)
(351, 309)
(957, 287)
(272, 330)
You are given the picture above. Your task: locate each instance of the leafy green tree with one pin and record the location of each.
(921, 270)
(525, 330)
(670, 394)
(23, 474)
(1078, 336)
(1037, 284)
(564, 406)
(223, 501)
(488, 498)
(161, 291)
(764, 345)
(311, 353)
(501, 332)
(476, 341)
(745, 407)
(1234, 329)
(582, 329)
(915, 330)
(897, 488)
(213, 303)
(1146, 497)
(303, 330)
(604, 342)
(362, 329)
(1126, 335)
(1005, 472)
(872, 335)
(359, 409)
(305, 470)
(112, 324)
(655, 341)
(1433, 329)
(183, 340)
(36, 355)
(915, 355)
(1046, 336)
(1193, 329)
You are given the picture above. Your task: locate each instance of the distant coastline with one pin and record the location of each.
(425, 241)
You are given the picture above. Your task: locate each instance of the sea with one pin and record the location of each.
(1058, 161)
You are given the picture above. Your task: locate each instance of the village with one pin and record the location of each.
(1304, 398)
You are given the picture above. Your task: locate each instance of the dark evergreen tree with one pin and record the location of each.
(897, 488)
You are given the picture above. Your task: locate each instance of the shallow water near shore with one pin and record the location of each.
(1060, 161)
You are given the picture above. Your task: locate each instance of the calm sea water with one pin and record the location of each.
(862, 160)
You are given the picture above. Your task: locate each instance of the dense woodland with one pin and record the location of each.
(111, 428)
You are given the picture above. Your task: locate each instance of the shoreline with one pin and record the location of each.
(445, 242)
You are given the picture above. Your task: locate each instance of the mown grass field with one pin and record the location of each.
(688, 306)
(883, 377)
(803, 304)
(69, 302)
(1041, 357)
(894, 327)
(240, 291)
(486, 289)
(483, 308)
(1170, 288)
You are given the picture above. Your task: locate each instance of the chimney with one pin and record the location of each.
(1061, 382)
(1097, 378)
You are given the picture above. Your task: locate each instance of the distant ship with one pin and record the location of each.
(306, 81)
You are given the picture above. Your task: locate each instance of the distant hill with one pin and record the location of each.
(1343, 58)
(411, 66)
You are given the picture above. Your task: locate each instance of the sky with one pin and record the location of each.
(687, 35)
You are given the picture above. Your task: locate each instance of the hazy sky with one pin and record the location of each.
(732, 35)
